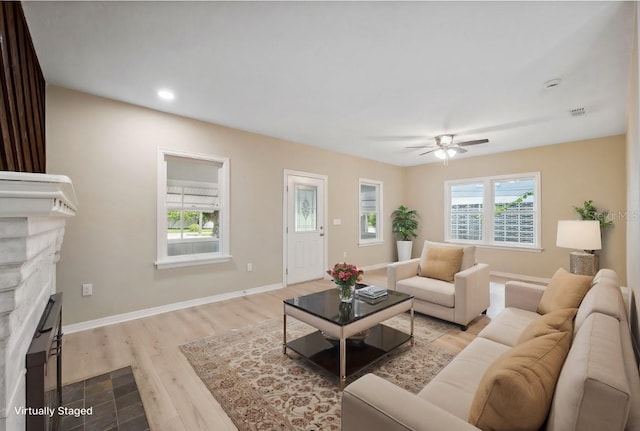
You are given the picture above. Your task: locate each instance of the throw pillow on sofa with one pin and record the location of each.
(565, 290)
(558, 320)
(442, 263)
(515, 392)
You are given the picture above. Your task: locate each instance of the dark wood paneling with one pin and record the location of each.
(22, 93)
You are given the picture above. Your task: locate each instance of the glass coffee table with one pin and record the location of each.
(350, 336)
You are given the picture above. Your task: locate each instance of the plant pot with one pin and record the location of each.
(404, 250)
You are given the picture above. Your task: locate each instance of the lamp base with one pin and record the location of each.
(583, 263)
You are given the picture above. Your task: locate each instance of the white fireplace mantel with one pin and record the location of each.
(36, 195)
(33, 209)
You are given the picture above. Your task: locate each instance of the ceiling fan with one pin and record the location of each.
(445, 148)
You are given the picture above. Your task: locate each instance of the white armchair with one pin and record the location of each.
(460, 301)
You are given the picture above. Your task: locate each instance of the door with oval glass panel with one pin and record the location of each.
(305, 228)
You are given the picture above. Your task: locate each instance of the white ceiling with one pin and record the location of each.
(347, 76)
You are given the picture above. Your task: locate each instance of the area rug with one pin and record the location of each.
(262, 389)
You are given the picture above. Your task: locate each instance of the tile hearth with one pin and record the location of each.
(115, 400)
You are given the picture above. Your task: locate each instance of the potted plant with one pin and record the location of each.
(589, 212)
(404, 225)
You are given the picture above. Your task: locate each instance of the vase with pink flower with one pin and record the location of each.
(345, 277)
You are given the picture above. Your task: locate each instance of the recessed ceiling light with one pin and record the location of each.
(552, 83)
(166, 95)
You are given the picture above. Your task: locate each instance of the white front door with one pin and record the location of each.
(304, 230)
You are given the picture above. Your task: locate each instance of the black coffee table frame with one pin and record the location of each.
(341, 321)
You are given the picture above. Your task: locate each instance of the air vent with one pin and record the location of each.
(577, 112)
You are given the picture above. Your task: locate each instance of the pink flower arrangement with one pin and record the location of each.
(345, 274)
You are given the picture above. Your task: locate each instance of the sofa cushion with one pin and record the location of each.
(507, 327)
(442, 263)
(516, 390)
(429, 290)
(606, 274)
(604, 297)
(453, 388)
(468, 255)
(565, 290)
(558, 320)
(592, 392)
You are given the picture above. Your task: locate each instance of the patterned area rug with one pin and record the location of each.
(262, 389)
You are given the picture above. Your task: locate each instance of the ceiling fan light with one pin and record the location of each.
(451, 152)
(446, 139)
(441, 154)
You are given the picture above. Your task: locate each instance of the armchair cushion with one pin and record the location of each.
(429, 290)
(442, 263)
(565, 290)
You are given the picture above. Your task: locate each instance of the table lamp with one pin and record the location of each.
(583, 235)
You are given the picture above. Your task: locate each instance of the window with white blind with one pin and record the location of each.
(193, 221)
(498, 211)
(370, 212)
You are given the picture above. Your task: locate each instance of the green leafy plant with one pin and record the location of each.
(194, 228)
(404, 223)
(588, 211)
(502, 208)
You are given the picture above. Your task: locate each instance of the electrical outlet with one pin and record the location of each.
(87, 289)
(344, 254)
(249, 267)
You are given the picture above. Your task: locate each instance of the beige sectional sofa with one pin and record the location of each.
(598, 388)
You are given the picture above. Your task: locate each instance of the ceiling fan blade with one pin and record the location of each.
(399, 138)
(427, 152)
(421, 146)
(458, 150)
(476, 142)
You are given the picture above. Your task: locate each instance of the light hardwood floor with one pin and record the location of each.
(173, 395)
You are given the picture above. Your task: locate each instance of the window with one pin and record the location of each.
(466, 211)
(370, 212)
(498, 211)
(306, 208)
(193, 221)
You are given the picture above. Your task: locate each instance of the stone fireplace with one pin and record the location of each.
(33, 212)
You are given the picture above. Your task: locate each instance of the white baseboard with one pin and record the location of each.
(119, 318)
(364, 268)
(520, 277)
(509, 275)
(376, 266)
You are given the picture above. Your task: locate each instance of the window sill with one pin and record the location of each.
(526, 249)
(367, 244)
(182, 261)
(512, 248)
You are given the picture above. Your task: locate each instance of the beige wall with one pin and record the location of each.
(570, 174)
(633, 181)
(109, 150)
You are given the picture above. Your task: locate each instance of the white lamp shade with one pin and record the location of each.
(579, 234)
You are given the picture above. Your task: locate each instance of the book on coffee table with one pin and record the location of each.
(372, 292)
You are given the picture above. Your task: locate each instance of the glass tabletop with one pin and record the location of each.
(327, 305)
